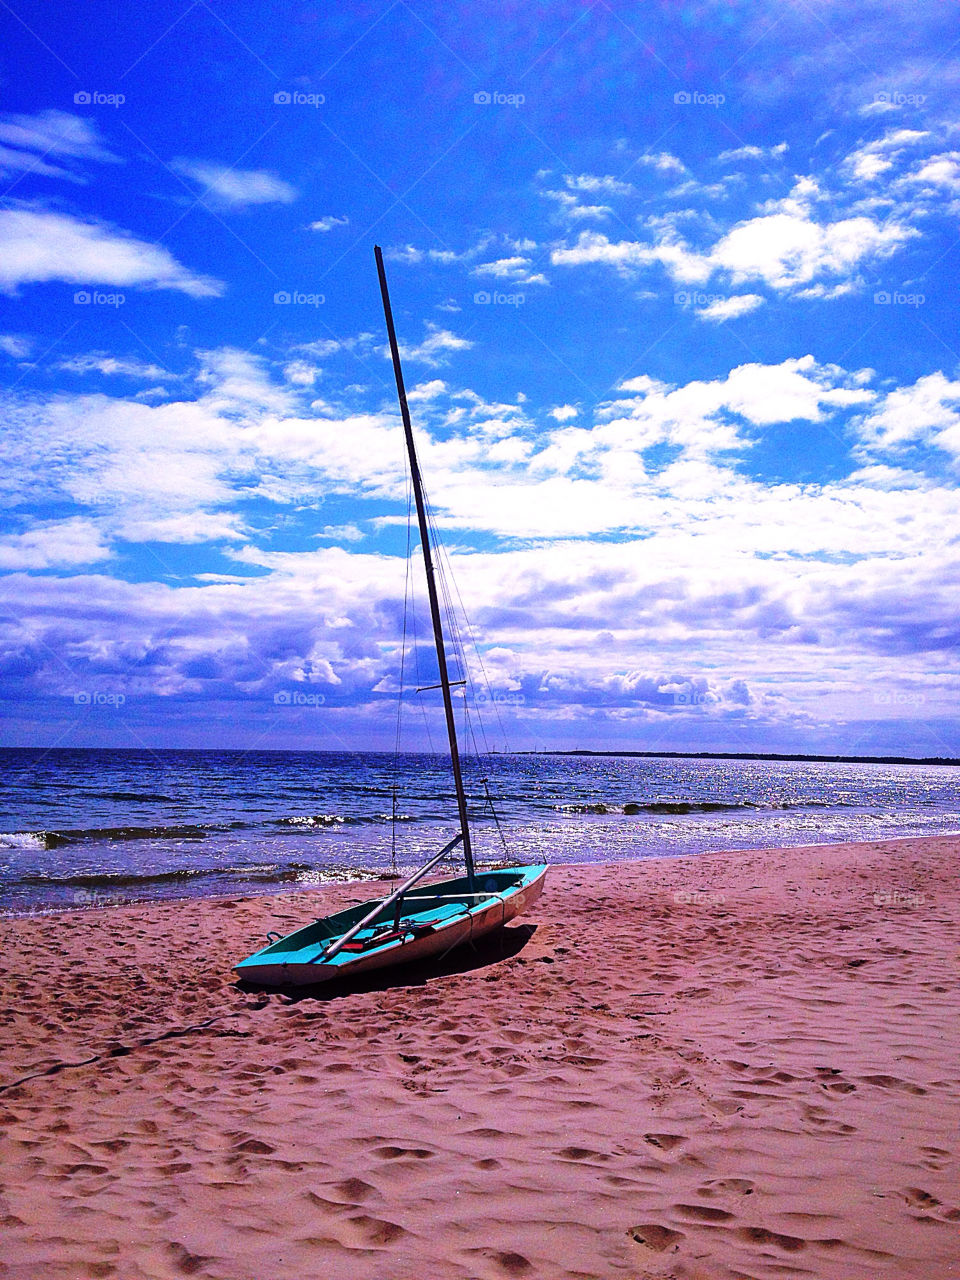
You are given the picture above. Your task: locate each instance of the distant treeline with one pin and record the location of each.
(753, 755)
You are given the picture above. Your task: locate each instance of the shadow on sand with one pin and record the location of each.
(465, 958)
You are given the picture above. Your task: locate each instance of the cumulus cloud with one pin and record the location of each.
(36, 247)
(436, 348)
(786, 246)
(941, 171)
(728, 308)
(516, 270)
(572, 208)
(926, 413)
(719, 594)
(605, 185)
(875, 158)
(328, 223)
(54, 544)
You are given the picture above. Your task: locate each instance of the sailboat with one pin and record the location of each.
(404, 926)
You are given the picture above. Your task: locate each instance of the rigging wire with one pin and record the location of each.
(444, 574)
(403, 659)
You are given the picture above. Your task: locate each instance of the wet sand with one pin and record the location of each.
(733, 1065)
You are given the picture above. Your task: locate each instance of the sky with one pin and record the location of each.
(676, 291)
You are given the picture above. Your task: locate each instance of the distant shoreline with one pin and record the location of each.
(751, 755)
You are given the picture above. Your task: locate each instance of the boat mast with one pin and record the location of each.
(431, 577)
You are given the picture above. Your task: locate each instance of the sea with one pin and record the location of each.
(93, 828)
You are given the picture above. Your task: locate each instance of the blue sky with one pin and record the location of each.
(676, 286)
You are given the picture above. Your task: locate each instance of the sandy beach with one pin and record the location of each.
(730, 1065)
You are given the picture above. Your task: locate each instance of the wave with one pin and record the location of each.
(89, 886)
(680, 807)
(324, 820)
(23, 840)
(71, 835)
(311, 820)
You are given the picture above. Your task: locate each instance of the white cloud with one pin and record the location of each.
(328, 223)
(939, 171)
(436, 347)
(878, 107)
(729, 308)
(184, 527)
(55, 544)
(37, 247)
(237, 188)
(341, 533)
(663, 162)
(516, 270)
(53, 132)
(750, 152)
(786, 247)
(874, 158)
(18, 345)
(301, 373)
(779, 588)
(926, 413)
(12, 161)
(605, 185)
(564, 412)
(113, 366)
(570, 207)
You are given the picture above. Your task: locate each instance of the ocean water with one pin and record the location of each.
(87, 828)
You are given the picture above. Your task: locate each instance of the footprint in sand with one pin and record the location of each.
(760, 1235)
(376, 1231)
(721, 1186)
(506, 1263)
(936, 1158)
(354, 1190)
(653, 1236)
(400, 1153)
(665, 1141)
(893, 1082)
(702, 1213)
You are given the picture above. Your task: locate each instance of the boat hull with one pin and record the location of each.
(295, 961)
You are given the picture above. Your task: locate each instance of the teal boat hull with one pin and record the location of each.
(433, 919)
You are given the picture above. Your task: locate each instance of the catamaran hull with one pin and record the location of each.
(471, 926)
